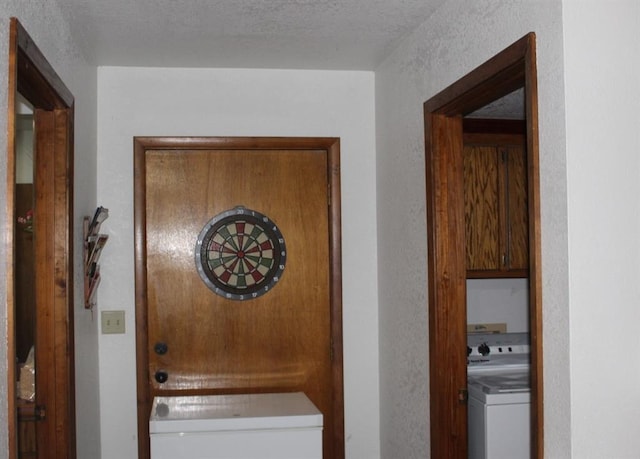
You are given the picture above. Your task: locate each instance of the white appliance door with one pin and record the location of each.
(508, 431)
(256, 444)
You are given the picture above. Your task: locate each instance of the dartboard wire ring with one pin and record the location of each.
(240, 254)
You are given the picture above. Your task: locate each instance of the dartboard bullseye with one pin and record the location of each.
(240, 254)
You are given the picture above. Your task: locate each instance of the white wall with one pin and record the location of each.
(491, 301)
(44, 22)
(602, 75)
(460, 36)
(160, 102)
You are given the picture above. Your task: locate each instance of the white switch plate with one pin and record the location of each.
(112, 322)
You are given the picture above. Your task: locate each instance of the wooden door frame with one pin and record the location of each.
(332, 146)
(513, 68)
(31, 74)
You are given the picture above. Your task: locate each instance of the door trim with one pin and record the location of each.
(31, 74)
(513, 68)
(332, 146)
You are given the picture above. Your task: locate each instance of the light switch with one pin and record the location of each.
(112, 322)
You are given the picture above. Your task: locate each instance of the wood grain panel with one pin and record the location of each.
(277, 340)
(517, 208)
(535, 255)
(54, 274)
(496, 217)
(447, 286)
(45, 285)
(481, 204)
(63, 304)
(9, 242)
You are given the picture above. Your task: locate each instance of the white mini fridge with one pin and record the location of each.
(243, 426)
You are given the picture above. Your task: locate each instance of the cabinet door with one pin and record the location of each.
(482, 210)
(517, 208)
(496, 213)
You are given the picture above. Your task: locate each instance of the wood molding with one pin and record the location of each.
(142, 353)
(335, 248)
(9, 238)
(535, 246)
(513, 68)
(37, 80)
(32, 76)
(447, 284)
(483, 85)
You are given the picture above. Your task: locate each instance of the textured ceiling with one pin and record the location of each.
(303, 34)
(509, 107)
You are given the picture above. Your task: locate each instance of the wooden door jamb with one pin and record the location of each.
(31, 74)
(513, 68)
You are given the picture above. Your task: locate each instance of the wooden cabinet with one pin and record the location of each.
(496, 212)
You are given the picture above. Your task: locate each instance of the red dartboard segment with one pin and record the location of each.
(240, 254)
(257, 277)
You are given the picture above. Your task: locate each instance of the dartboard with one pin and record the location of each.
(240, 254)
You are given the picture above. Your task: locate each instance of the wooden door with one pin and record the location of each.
(201, 342)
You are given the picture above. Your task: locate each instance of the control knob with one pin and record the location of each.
(483, 349)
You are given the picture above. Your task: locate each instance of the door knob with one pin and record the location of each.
(161, 376)
(161, 348)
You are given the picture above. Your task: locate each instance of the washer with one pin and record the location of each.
(244, 426)
(499, 385)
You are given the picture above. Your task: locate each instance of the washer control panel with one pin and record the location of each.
(484, 347)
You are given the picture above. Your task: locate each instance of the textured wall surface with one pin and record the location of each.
(160, 102)
(457, 38)
(49, 29)
(297, 34)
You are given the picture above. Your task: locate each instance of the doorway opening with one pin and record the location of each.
(510, 70)
(42, 414)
